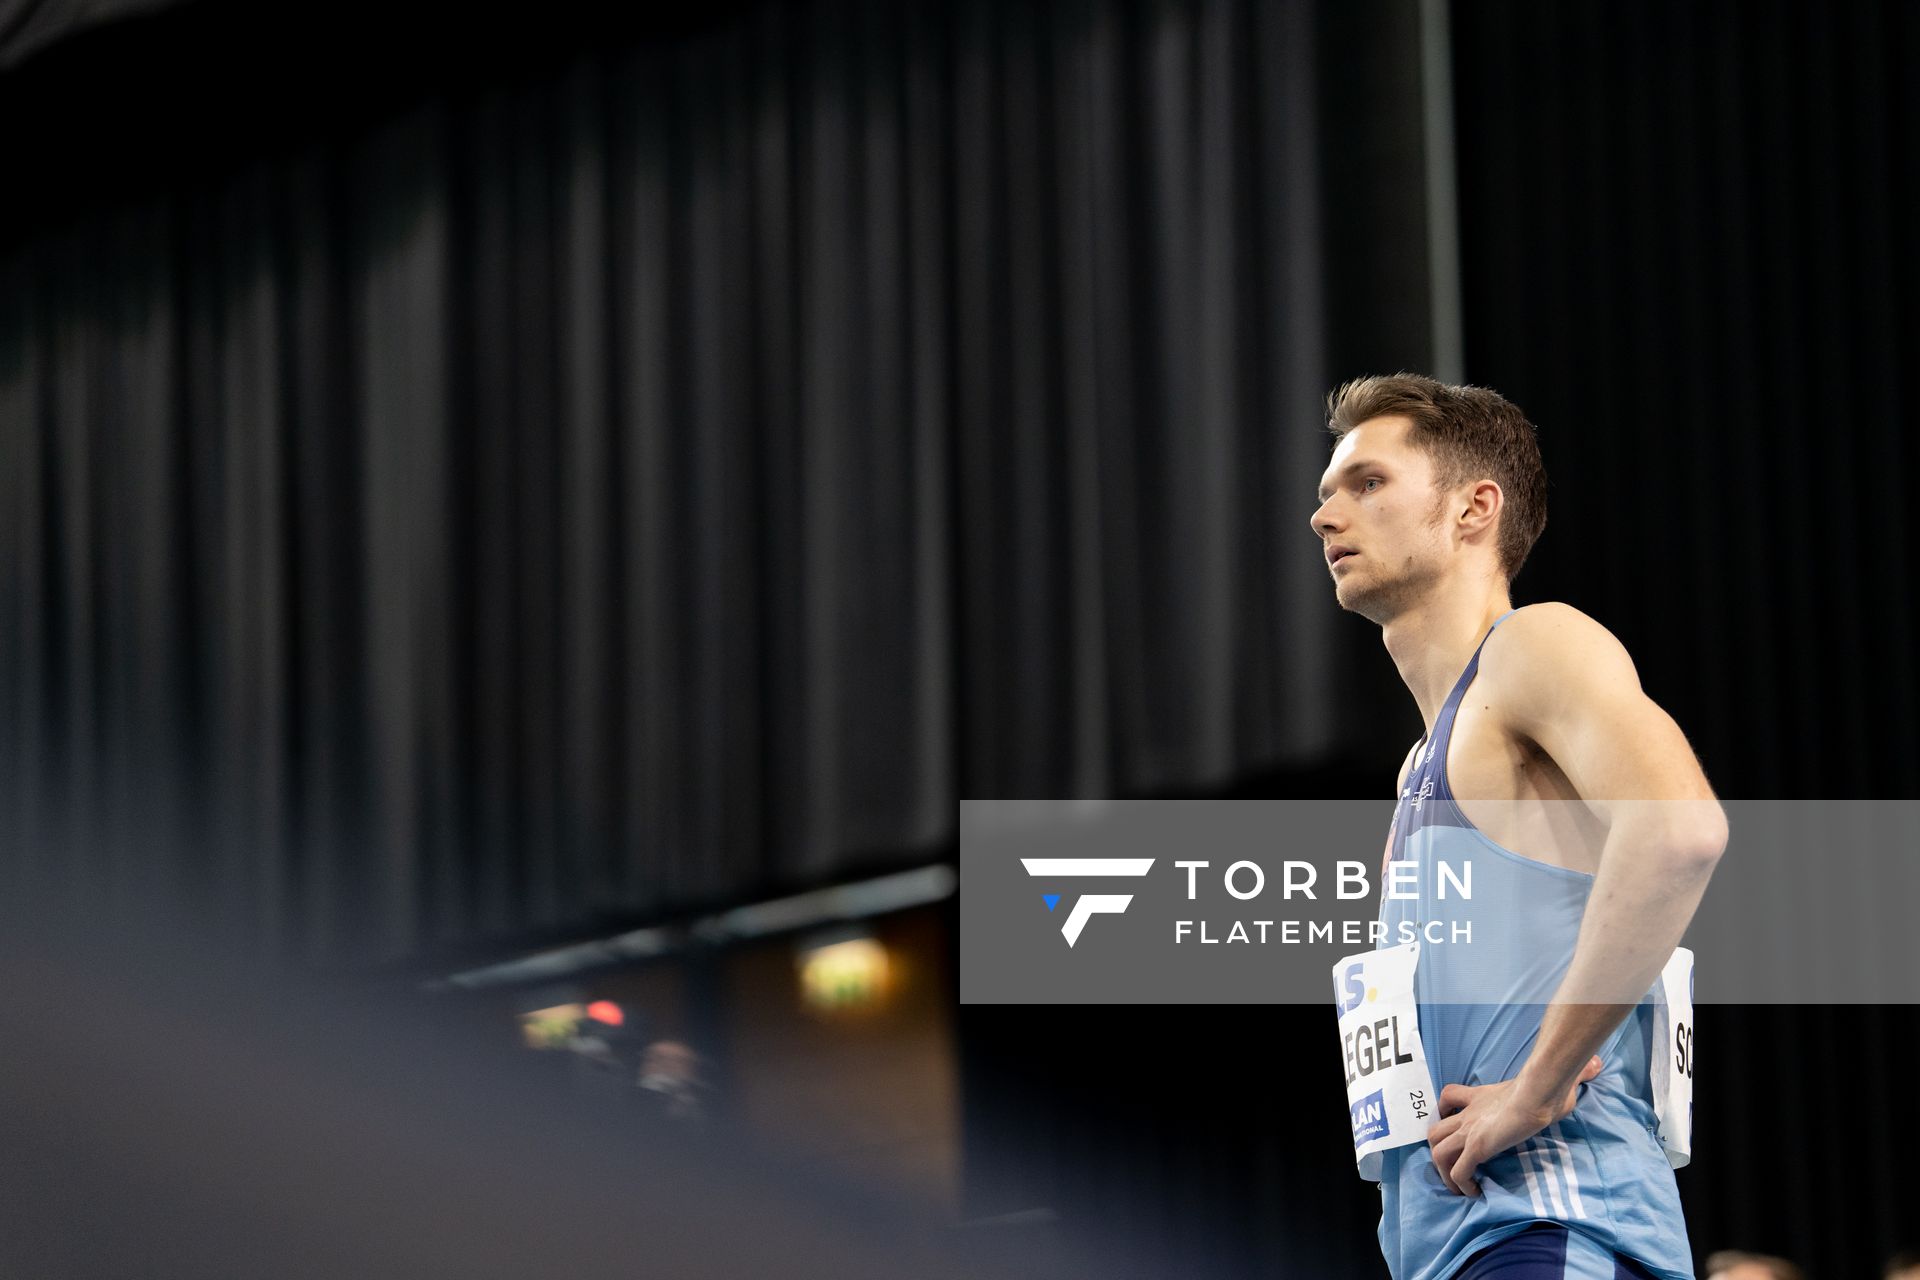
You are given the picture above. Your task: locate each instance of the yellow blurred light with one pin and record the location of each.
(551, 1028)
(844, 975)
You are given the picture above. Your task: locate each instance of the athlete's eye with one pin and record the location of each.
(1370, 485)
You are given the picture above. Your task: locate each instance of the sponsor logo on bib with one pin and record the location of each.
(1369, 1118)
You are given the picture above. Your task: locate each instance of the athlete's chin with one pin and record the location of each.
(1375, 604)
(1350, 589)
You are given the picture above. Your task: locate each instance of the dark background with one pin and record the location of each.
(468, 485)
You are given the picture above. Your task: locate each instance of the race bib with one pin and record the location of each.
(1671, 1070)
(1390, 1094)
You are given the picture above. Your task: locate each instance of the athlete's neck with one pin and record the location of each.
(1431, 642)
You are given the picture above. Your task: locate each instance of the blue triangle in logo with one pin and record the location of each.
(1052, 900)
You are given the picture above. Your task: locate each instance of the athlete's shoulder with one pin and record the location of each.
(1554, 634)
(1544, 653)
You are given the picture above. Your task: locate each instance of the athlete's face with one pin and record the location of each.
(1380, 520)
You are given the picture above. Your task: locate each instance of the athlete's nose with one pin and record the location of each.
(1326, 520)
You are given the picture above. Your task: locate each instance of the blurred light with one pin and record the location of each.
(608, 1012)
(843, 975)
(552, 1027)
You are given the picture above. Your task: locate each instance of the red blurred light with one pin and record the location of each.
(606, 1011)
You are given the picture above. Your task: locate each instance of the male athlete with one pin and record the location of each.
(1590, 830)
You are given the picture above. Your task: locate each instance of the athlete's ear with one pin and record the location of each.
(1480, 507)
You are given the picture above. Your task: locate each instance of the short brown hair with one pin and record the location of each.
(1727, 1259)
(1469, 432)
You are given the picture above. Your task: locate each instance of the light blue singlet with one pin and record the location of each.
(1600, 1171)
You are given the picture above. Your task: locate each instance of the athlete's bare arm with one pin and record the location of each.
(1560, 680)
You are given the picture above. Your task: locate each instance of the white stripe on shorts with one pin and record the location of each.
(1533, 1179)
(1565, 1155)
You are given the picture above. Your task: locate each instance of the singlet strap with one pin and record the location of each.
(1450, 709)
(1443, 723)
(1473, 663)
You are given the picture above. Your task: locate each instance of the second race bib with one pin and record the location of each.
(1671, 1070)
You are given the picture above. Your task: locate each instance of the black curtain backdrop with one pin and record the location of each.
(30, 27)
(675, 473)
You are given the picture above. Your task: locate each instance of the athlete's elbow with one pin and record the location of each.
(1698, 836)
(1684, 836)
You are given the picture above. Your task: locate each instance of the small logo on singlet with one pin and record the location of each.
(1369, 1118)
(1423, 795)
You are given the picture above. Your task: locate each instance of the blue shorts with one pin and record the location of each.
(1544, 1252)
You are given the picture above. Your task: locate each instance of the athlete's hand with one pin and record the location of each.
(1479, 1122)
